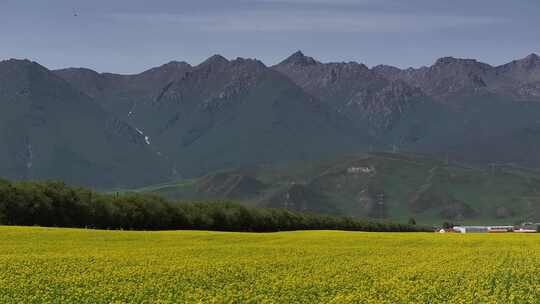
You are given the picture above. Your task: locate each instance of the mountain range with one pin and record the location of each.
(179, 121)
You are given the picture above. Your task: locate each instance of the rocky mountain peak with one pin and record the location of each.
(166, 70)
(383, 67)
(254, 63)
(389, 72)
(447, 77)
(452, 61)
(531, 61)
(215, 60)
(298, 58)
(533, 56)
(525, 71)
(23, 73)
(79, 74)
(15, 61)
(176, 65)
(446, 60)
(21, 65)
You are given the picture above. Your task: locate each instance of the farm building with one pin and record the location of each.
(483, 229)
(446, 230)
(500, 228)
(470, 229)
(525, 230)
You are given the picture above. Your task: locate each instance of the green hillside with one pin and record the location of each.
(49, 130)
(377, 185)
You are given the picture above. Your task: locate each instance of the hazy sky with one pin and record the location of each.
(129, 36)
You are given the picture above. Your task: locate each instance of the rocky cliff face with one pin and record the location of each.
(446, 78)
(352, 89)
(522, 77)
(526, 70)
(450, 78)
(214, 82)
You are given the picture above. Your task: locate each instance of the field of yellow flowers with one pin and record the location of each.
(42, 265)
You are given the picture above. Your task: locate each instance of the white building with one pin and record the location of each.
(356, 170)
(525, 230)
(470, 229)
(483, 229)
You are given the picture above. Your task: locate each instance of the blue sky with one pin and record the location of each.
(129, 36)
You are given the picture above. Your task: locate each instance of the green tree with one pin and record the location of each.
(447, 225)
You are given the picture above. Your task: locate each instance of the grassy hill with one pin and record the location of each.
(376, 185)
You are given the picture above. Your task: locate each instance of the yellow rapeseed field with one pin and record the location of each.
(40, 265)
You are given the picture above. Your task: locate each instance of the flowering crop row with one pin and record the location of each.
(40, 265)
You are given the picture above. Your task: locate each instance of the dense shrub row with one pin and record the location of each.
(54, 204)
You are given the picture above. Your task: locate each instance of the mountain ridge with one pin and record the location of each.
(181, 116)
(225, 113)
(470, 68)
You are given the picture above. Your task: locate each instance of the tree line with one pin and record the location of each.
(54, 204)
